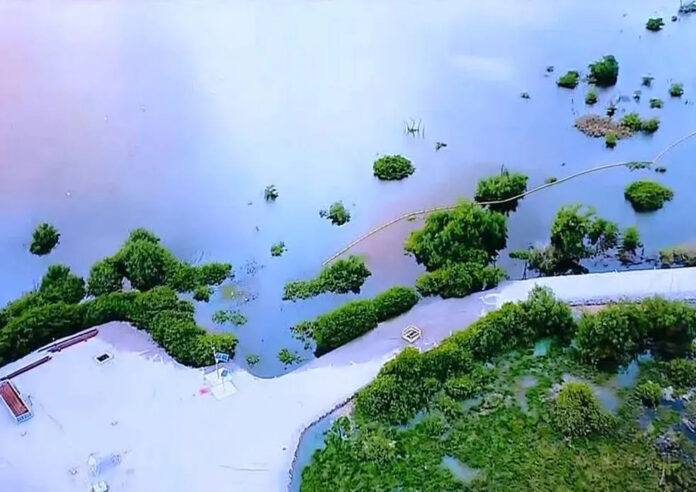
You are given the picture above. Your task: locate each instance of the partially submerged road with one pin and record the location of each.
(168, 435)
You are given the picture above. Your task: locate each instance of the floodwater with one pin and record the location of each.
(175, 116)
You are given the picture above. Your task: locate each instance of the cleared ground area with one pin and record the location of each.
(140, 422)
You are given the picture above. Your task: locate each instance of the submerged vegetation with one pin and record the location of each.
(656, 103)
(288, 357)
(338, 327)
(680, 256)
(343, 276)
(232, 316)
(57, 308)
(393, 167)
(44, 239)
(501, 187)
(647, 196)
(554, 432)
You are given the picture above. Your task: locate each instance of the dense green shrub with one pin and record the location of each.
(672, 326)
(393, 167)
(44, 239)
(343, 276)
(570, 80)
(681, 374)
(104, 278)
(115, 306)
(630, 240)
(610, 139)
(344, 324)
(253, 359)
(462, 387)
(604, 72)
(632, 121)
(591, 97)
(459, 280)
(337, 214)
(676, 90)
(202, 293)
(391, 399)
(547, 316)
(654, 24)
(458, 236)
(656, 103)
(650, 125)
(578, 413)
(60, 285)
(142, 234)
(213, 273)
(647, 196)
(36, 327)
(504, 186)
(613, 336)
(394, 302)
(146, 263)
(649, 393)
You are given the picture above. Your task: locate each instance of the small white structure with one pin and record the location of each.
(220, 383)
(100, 487)
(411, 333)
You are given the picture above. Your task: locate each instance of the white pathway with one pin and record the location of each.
(170, 437)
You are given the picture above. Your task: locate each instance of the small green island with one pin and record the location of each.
(393, 168)
(45, 238)
(647, 196)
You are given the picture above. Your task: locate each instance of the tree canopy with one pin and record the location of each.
(604, 72)
(393, 167)
(646, 195)
(501, 187)
(44, 239)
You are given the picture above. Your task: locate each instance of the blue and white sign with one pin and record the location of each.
(222, 357)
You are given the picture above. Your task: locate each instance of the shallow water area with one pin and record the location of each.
(461, 471)
(175, 117)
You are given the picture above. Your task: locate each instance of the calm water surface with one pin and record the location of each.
(176, 115)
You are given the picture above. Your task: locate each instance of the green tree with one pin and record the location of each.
(393, 167)
(676, 90)
(630, 240)
(337, 214)
(570, 80)
(604, 72)
(394, 301)
(459, 279)
(343, 276)
(104, 277)
(147, 264)
(344, 324)
(44, 239)
(466, 233)
(60, 285)
(654, 24)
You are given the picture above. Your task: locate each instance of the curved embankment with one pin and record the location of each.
(416, 213)
(440, 318)
(169, 433)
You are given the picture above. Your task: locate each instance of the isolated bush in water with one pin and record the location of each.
(578, 413)
(393, 167)
(104, 277)
(604, 72)
(654, 24)
(610, 140)
(591, 97)
(278, 249)
(570, 80)
(60, 285)
(337, 214)
(650, 125)
(676, 90)
(343, 276)
(501, 187)
(44, 239)
(647, 196)
(632, 121)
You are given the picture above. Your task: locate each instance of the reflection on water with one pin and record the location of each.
(175, 117)
(461, 471)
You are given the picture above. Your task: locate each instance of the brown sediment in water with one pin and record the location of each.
(595, 125)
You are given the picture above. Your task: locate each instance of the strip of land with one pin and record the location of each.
(152, 424)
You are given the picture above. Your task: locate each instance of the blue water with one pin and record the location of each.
(176, 115)
(312, 440)
(461, 472)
